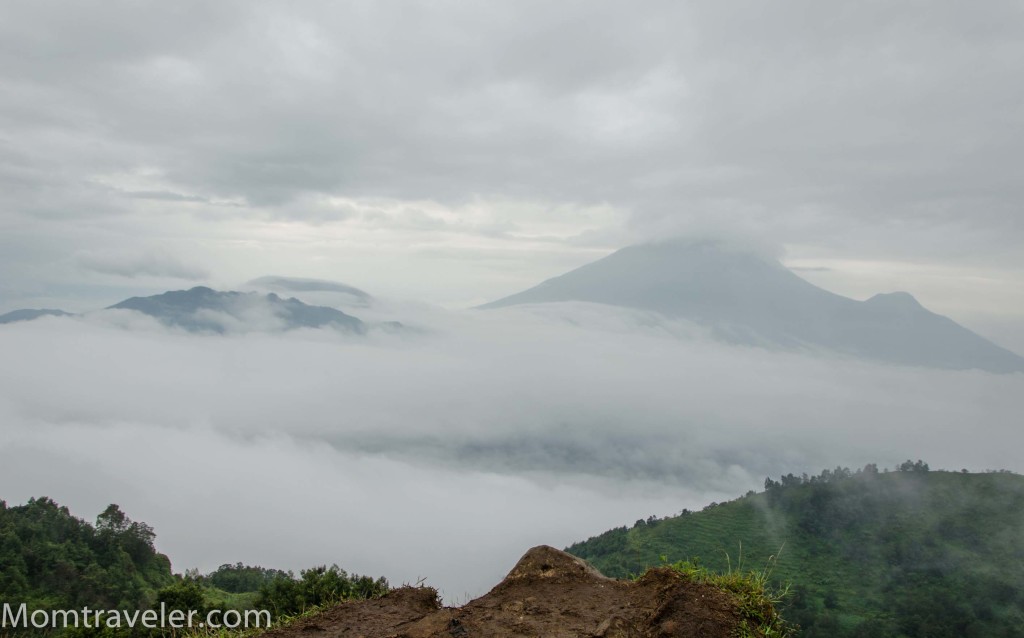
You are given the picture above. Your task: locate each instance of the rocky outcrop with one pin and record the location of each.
(548, 593)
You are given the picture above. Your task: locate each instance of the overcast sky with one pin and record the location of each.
(454, 153)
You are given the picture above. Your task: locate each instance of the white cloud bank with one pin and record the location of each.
(446, 453)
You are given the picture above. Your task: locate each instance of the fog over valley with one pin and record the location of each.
(389, 450)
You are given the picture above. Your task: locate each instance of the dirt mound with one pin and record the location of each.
(549, 594)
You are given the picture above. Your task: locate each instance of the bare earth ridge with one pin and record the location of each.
(549, 594)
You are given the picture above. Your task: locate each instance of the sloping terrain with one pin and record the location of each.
(743, 297)
(912, 553)
(548, 593)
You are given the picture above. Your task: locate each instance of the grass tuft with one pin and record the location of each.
(758, 598)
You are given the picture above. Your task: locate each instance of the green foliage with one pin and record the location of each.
(871, 554)
(280, 622)
(51, 560)
(239, 578)
(286, 595)
(185, 594)
(758, 597)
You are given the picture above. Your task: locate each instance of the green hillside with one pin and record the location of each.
(50, 559)
(869, 554)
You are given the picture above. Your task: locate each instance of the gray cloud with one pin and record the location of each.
(871, 114)
(874, 133)
(152, 263)
(166, 196)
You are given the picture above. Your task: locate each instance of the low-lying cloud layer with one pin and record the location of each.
(446, 451)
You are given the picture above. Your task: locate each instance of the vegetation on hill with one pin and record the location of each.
(239, 578)
(869, 554)
(51, 560)
(287, 595)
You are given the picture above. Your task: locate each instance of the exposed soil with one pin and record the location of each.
(548, 594)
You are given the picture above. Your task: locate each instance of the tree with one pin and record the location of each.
(185, 594)
(112, 520)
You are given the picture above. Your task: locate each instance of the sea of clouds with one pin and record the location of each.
(447, 449)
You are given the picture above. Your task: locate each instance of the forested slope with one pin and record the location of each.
(49, 559)
(869, 554)
(52, 560)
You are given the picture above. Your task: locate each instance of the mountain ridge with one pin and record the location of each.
(748, 298)
(29, 314)
(203, 309)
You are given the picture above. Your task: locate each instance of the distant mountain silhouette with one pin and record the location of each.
(747, 298)
(203, 309)
(28, 314)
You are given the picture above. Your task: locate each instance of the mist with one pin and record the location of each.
(445, 450)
